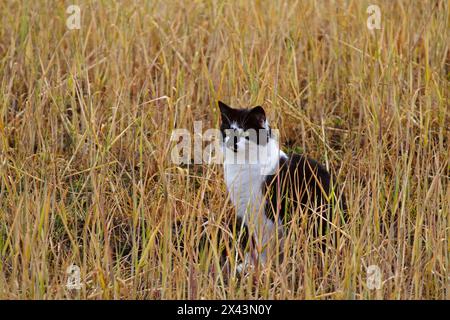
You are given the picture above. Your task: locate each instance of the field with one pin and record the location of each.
(86, 117)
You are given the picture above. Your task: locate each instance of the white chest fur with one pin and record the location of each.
(244, 180)
(245, 186)
(245, 172)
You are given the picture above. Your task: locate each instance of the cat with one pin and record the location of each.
(265, 184)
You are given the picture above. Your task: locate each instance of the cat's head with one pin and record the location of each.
(243, 129)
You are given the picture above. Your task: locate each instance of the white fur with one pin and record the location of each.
(245, 174)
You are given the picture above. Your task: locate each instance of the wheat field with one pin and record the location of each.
(86, 117)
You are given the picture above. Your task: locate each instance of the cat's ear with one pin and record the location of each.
(259, 115)
(225, 112)
(224, 109)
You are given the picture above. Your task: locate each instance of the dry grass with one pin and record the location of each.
(85, 123)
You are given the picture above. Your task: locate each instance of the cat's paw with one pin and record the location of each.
(244, 267)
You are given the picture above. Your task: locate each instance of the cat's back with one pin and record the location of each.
(308, 170)
(300, 178)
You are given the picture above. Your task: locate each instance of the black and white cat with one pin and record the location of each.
(265, 184)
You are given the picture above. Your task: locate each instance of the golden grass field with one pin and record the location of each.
(86, 118)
